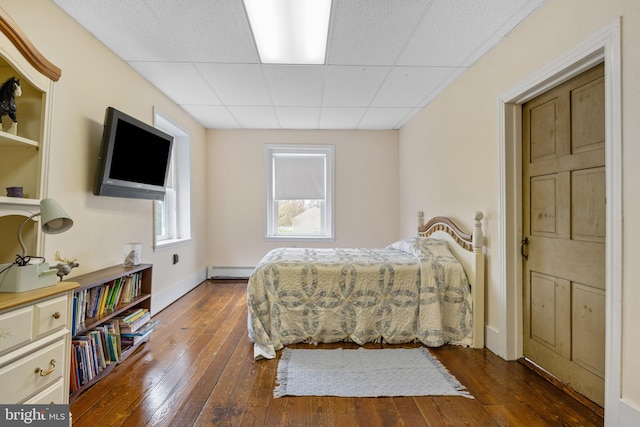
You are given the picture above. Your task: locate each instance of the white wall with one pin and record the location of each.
(366, 190)
(93, 78)
(459, 132)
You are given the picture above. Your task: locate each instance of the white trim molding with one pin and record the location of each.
(603, 46)
(162, 299)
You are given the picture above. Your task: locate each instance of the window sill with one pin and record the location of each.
(298, 239)
(170, 244)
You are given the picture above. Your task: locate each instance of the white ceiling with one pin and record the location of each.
(386, 59)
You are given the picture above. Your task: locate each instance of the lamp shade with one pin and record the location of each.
(53, 218)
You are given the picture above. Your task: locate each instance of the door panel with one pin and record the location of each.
(588, 101)
(589, 330)
(550, 325)
(588, 195)
(549, 206)
(564, 221)
(543, 135)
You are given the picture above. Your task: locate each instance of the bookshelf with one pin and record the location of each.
(101, 298)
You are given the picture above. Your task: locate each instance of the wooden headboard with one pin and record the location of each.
(471, 242)
(468, 249)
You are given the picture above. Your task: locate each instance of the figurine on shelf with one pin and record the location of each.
(130, 259)
(8, 93)
(65, 266)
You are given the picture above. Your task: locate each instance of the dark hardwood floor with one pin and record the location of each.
(198, 369)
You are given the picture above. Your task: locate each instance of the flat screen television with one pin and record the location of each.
(134, 158)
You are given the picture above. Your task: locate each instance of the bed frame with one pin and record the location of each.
(467, 248)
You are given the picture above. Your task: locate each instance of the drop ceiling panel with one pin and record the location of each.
(406, 86)
(341, 118)
(212, 117)
(458, 32)
(298, 117)
(180, 81)
(256, 117)
(208, 30)
(383, 118)
(237, 84)
(295, 85)
(129, 28)
(372, 32)
(352, 86)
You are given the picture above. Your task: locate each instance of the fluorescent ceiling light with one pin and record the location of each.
(290, 31)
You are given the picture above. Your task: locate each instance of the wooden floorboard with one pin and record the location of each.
(198, 370)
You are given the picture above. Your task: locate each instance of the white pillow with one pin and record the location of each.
(422, 247)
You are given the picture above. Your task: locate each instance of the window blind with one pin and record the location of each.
(299, 177)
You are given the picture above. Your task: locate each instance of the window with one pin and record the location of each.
(299, 201)
(165, 211)
(172, 216)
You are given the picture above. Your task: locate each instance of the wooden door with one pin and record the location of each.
(564, 223)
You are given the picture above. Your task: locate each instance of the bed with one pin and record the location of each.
(428, 288)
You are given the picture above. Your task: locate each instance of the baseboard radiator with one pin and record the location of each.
(226, 273)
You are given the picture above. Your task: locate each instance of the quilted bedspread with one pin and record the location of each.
(412, 290)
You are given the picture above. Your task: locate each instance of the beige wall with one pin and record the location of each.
(93, 78)
(366, 190)
(459, 132)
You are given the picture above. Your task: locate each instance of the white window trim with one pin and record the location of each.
(181, 155)
(329, 228)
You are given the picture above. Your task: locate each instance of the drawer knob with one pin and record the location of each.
(52, 368)
(56, 315)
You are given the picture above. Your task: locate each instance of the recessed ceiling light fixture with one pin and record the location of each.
(290, 31)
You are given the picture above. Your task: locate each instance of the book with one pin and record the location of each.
(133, 315)
(126, 291)
(136, 324)
(82, 380)
(92, 306)
(115, 349)
(128, 341)
(99, 349)
(103, 299)
(118, 295)
(107, 299)
(103, 344)
(74, 383)
(143, 330)
(87, 369)
(74, 315)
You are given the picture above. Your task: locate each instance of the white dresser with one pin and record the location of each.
(35, 340)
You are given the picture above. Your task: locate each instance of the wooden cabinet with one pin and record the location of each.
(24, 148)
(35, 337)
(105, 278)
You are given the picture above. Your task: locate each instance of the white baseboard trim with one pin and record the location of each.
(164, 298)
(629, 415)
(229, 272)
(492, 340)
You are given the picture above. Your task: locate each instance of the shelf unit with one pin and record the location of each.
(104, 277)
(24, 152)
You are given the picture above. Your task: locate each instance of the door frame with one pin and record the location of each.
(603, 46)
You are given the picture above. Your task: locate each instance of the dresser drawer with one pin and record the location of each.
(33, 373)
(16, 329)
(50, 315)
(54, 394)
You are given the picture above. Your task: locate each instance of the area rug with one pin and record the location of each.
(364, 373)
